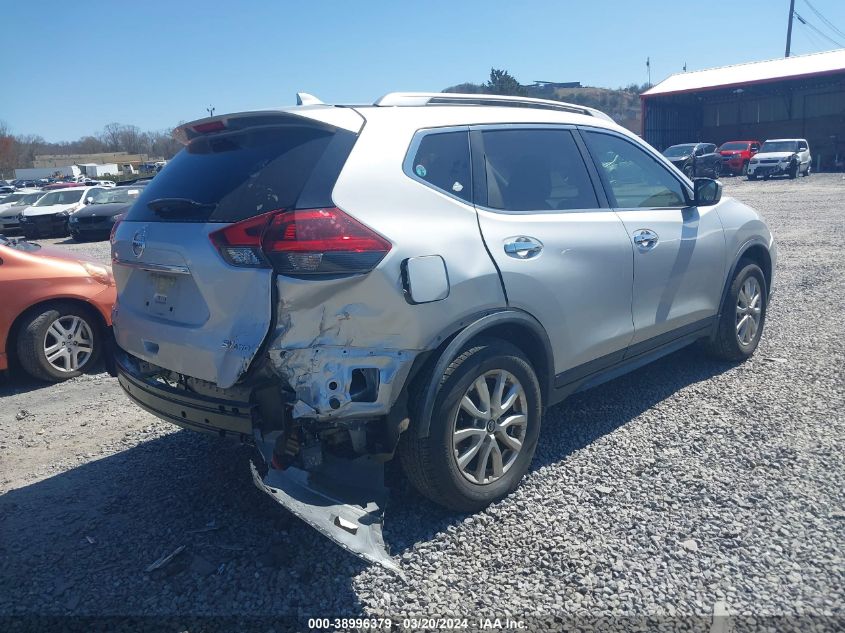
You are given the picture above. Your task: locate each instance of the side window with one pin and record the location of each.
(635, 178)
(442, 160)
(755, 147)
(535, 170)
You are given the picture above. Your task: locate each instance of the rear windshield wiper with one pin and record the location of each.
(179, 206)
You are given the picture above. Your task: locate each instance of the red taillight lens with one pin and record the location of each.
(240, 243)
(302, 242)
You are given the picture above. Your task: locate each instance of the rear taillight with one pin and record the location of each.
(302, 242)
(117, 220)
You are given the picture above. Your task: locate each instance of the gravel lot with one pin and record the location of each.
(684, 488)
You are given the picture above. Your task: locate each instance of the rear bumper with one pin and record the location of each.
(769, 169)
(185, 408)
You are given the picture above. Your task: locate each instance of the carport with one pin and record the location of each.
(793, 97)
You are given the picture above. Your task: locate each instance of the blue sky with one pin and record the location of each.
(69, 71)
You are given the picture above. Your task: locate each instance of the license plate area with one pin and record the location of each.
(162, 296)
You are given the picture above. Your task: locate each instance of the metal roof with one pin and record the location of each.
(752, 72)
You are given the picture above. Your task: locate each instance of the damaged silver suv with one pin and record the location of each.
(418, 278)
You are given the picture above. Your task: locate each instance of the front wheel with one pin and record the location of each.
(743, 315)
(484, 428)
(752, 177)
(58, 343)
(793, 171)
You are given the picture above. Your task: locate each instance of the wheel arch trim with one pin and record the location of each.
(481, 325)
(741, 252)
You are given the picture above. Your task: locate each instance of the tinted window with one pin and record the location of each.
(535, 170)
(635, 178)
(227, 178)
(442, 160)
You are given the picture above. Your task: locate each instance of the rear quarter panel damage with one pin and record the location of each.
(327, 328)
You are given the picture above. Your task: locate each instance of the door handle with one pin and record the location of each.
(645, 239)
(523, 247)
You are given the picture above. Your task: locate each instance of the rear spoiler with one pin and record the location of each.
(330, 117)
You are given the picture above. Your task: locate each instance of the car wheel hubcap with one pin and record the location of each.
(489, 427)
(748, 311)
(68, 344)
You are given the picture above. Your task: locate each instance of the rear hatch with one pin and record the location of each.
(184, 303)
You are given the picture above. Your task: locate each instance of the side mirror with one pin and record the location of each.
(707, 192)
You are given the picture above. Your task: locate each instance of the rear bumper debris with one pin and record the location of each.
(343, 499)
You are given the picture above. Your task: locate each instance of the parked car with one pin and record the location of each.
(62, 185)
(695, 159)
(56, 310)
(48, 217)
(5, 190)
(95, 221)
(779, 157)
(12, 207)
(422, 286)
(737, 154)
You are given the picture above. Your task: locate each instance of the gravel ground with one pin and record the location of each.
(685, 489)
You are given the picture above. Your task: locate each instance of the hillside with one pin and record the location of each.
(622, 104)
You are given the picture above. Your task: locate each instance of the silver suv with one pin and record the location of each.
(421, 278)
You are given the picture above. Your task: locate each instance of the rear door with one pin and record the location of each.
(564, 256)
(181, 305)
(679, 249)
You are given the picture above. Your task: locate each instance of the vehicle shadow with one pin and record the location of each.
(83, 538)
(568, 427)
(16, 381)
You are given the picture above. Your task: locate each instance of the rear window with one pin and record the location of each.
(232, 177)
(442, 161)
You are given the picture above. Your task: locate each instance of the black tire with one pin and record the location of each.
(793, 172)
(717, 170)
(752, 177)
(32, 339)
(725, 345)
(430, 462)
(807, 172)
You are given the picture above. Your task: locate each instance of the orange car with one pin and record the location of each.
(55, 309)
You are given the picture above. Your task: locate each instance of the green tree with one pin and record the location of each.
(503, 83)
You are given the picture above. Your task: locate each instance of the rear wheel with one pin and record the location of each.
(483, 432)
(793, 171)
(59, 342)
(743, 315)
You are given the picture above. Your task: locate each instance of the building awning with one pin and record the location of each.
(796, 67)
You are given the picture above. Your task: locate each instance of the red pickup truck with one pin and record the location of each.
(736, 154)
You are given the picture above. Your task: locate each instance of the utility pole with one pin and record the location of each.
(648, 68)
(789, 28)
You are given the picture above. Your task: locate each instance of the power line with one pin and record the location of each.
(811, 26)
(829, 24)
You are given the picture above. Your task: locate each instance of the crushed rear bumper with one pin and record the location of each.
(342, 498)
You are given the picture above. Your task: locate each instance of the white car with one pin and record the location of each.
(49, 215)
(781, 157)
(14, 204)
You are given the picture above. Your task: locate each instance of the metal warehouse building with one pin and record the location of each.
(793, 97)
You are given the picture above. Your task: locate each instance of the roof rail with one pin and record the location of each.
(452, 98)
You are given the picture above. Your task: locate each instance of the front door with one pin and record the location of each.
(564, 256)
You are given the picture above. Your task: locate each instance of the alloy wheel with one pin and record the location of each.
(748, 311)
(490, 426)
(68, 343)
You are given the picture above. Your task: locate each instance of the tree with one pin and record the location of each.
(503, 83)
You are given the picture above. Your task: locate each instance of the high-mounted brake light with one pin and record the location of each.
(302, 242)
(211, 126)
